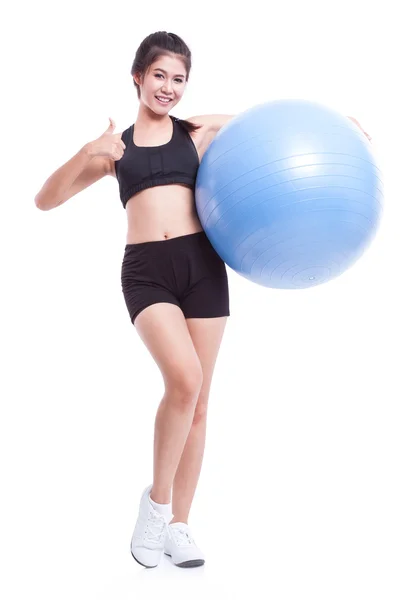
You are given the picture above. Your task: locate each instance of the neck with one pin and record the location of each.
(149, 119)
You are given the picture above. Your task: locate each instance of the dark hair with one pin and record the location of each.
(152, 48)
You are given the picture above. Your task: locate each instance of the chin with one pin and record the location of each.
(160, 110)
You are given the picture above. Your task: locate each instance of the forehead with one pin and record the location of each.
(170, 64)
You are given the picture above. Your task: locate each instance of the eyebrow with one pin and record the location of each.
(158, 69)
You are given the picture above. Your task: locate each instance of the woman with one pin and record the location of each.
(174, 284)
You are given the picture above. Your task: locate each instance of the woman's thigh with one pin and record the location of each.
(163, 329)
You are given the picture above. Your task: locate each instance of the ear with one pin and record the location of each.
(137, 78)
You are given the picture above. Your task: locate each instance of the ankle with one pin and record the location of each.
(179, 520)
(160, 498)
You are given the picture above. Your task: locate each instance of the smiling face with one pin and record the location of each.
(166, 78)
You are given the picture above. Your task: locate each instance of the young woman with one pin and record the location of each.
(174, 284)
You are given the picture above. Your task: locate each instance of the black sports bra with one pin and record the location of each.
(143, 167)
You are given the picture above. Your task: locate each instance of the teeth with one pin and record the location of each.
(163, 99)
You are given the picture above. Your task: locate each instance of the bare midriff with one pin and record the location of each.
(161, 213)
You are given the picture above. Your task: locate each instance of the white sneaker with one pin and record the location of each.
(181, 547)
(150, 531)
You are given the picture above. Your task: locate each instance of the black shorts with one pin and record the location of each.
(184, 270)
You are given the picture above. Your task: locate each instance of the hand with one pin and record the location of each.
(358, 125)
(109, 144)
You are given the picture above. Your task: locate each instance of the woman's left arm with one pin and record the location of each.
(358, 125)
(215, 122)
(211, 122)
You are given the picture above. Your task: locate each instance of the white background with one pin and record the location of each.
(299, 491)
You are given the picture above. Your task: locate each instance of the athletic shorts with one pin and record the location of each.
(184, 270)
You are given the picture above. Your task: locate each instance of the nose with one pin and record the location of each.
(167, 87)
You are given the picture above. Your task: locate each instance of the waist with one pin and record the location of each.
(172, 242)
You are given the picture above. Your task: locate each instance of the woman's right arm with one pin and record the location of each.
(91, 163)
(78, 173)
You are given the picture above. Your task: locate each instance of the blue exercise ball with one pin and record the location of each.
(289, 194)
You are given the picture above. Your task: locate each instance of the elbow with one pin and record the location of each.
(37, 204)
(39, 201)
(41, 204)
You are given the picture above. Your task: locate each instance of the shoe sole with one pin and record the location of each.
(198, 562)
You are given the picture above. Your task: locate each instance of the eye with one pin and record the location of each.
(161, 75)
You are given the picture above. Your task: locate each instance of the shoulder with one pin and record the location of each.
(211, 123)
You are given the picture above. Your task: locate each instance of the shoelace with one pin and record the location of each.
(156, 526)
(182, 536)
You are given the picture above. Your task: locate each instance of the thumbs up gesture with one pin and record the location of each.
(109, 143)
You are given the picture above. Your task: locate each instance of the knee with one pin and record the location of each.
(185, 385)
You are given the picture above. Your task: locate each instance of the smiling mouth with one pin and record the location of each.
(163, 101)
